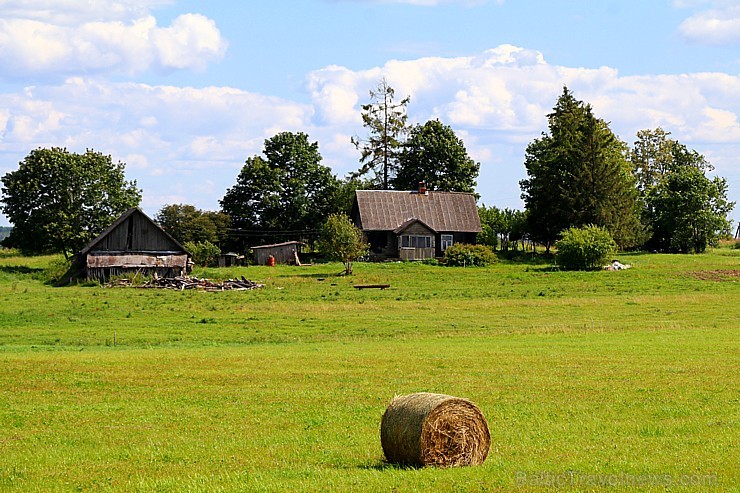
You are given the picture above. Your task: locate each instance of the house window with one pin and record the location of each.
(446, 241)
(416, 241)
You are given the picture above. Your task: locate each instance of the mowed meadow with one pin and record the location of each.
(590, 381)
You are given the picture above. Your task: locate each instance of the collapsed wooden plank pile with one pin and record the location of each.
(187, 282)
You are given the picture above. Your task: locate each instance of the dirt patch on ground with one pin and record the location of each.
(718, 275)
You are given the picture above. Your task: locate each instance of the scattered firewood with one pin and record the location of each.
(182, 283)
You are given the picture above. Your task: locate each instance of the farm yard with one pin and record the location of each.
(590, 381)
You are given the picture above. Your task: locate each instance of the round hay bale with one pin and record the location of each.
(426, 429)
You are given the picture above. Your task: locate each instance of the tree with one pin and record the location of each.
(687, 211)
(578, 174)
(342, 240)
(684, 210)
(345, 195)
(505, 227)
(204, 253)
(435, 155)
(286, 193)
(186, 223)
(386, 122)
(4, 233)
(58, 201)
(655, 155)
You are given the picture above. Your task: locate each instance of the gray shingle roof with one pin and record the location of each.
(384, 210)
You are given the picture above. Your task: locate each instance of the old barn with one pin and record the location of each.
(134, 243)
(415, 225)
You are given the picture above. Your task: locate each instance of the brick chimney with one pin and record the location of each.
(422, 188)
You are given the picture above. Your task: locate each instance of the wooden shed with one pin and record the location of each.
(133, 244)
(230, 259)
(415, 225)
(283, 253)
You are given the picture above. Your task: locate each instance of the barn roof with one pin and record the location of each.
(278, 245)
(118, 222)
(387, 210)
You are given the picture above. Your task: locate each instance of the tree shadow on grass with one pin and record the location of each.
(20, 269)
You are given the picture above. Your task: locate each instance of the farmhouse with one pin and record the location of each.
(415, 225)
(282, 253)
(133, 244)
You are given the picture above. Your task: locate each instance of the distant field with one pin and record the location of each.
(600, 381)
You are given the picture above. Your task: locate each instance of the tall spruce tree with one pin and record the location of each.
(578, 174)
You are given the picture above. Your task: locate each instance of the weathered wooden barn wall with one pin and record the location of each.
(283, 253)
(134, 244)
(102, 266)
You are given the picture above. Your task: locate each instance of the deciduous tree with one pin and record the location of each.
(286, 193)
(687, 211)
(58, 200)
(655, 155)
(342, 240)
(684, 210)
(435, 155)
(186, 223)
(504, 227)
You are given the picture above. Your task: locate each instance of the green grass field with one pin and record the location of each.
(590, 381)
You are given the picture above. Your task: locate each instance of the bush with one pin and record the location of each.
(57, 270)
(463, 255)
(342, 240)
(584, 248)
(205, 253)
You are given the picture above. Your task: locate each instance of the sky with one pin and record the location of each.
(183, 92)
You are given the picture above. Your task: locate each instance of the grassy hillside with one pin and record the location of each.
(600, 380)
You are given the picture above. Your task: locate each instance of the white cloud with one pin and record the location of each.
(499, 100)
(186, 144)
(74, 12)
(717, 25)
(425, 3)
(123, 38)
(173, 139)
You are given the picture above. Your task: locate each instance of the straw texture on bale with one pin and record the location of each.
(426, 429)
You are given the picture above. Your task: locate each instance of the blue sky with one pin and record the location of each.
(184, 91)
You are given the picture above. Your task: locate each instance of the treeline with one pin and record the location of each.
(5, 232)
(653, 195)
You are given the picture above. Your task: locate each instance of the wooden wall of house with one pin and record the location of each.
(136, 234)
(468, 238)
(418, 229)
(457, 237)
